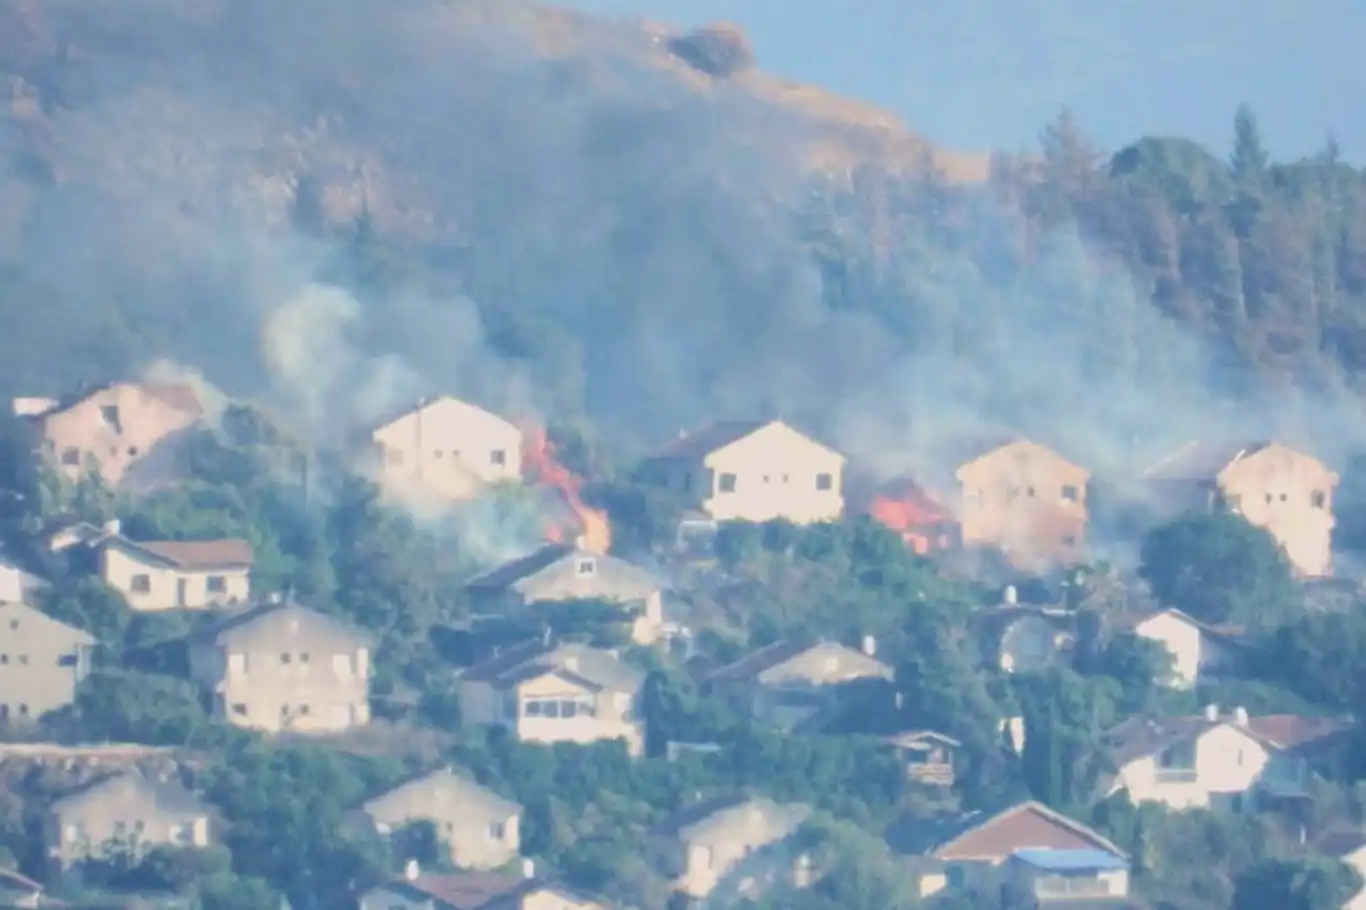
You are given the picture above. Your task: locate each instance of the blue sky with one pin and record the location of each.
(989, 73)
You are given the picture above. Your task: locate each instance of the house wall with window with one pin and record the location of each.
(42, 661)
(483, 830)
(553, 708)
(150, 584)
(1291, 496)
(446, 447)
(1031, 884)
(1195, 653)
(123, 813)
(1215, 768)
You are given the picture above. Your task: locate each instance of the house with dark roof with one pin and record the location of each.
(1273, 486)
(481, 827)
(155, 575)
(558, 573)
(112, 428)
(541, 691)
(1216, 759)
(703, 846)
(751, 471)
(283, 667)
(791, 684)
(121, 812)
(1200, 651)
(1023, 499)
(476, 891)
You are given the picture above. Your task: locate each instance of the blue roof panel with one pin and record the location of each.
(1070, 860)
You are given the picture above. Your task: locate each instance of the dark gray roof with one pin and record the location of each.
(756, 662)
(218, 630)
(593, 666)
(1202, 460)
(709, 438)
(169, 797)
(509, 573)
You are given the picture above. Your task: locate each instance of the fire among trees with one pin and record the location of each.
(923, 523)
(591, 526)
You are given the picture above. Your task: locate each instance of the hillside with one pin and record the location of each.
(621, 222)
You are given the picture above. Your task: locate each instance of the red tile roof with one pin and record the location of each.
(1287, 731)
(466, 890)
(1024, 826)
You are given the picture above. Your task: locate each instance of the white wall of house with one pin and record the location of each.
(521, 711)
(1192, 652)
(326, 693)
(1357, 861)
(1228, 762)
(449, 448)
(150, 586)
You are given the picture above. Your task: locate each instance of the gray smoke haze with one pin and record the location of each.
(630, 236)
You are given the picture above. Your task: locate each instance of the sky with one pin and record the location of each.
(979, 74)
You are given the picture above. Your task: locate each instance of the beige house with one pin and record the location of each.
(1288, 493)
(702, 846)
(111, 428)
(475, 891)
(123, 812)
(447, 448)
(557, 573)
(788, 684)
(1199, 651)
(550, 693)
(155, 575)
(282, 667)
(1025, 500)
(752, 471)
(42, 661)
(481, 827)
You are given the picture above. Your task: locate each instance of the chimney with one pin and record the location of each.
(112, 526)
(1211, 712)
(1240, 716)
(528, 868)
(870, 645)
(1010, 595)
(411, 870)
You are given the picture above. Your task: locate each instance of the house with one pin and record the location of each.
(547, 693)
(42, 661)
(20, 891)
(18, 586)
(751, 471)
(123, 812)
(924, 523)
(788, 683)
(1037, 878)
(481, 827)
(114, 427)
(700, 846)
(1023, 499)
(1199, 651)
(475, 891)
(283, 667)
(1288, 493)
(1025, 639)
(1232, 760)
(559, 572)
(927, 755)
(973, 851)
(444, 447)
(1347, 846)
(156, 575)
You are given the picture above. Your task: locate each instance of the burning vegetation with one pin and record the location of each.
(590, 528)
(924, 523)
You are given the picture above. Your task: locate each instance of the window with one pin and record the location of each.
(23, 710)
(303, 710)
(4, 659)
(303, 657)
(178, 834)
(1269, 497)
(1070, 493)
(436, 453)
(23, 659)
(139, 826)
(766, 478)
(141, 584)
(132, 451)
(955, 877)
(587, 567)
(217, 584)
(1318, 499)
(725, 483)
(1285, 497)
(239, 710)
(285, 657)
(1069, 541)
(120, 827)
(499, 456)
(71, 456)
(825, 482)
(14, 623)
(497, 830)
(393, 456)
(110, 413)
(1029, 491)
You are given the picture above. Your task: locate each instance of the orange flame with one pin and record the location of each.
(923, 523)
(594, 527)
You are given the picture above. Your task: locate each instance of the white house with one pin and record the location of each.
(1199, 651)
(1215, 760)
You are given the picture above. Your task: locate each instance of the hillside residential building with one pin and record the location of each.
(927, 755)
(444, 447)
(123, 812)
(752, 471)
(556, 573)
(1025, 500)
(547, 693)
(1025, 639)
(283, 667)
(112, 428)
(481, 827)
(1347, 846)
(1199, 651)
(18, 586)
(1231, 761)
(788, 684)
(155, 575)
(702, 846)
(42, 661)
(1288, 493)
(475, 891)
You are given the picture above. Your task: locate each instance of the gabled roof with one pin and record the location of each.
(192, 554)
(397, 413)
(707, 439)
(480, 890)
(594, 667)
(222, 630)
(168, 797)
(912, 739)
(469, 792)
(610, 570)
(1021, 827)
(510, 573)
(1140, 737)
(176, 395)
(1224, 632)
(1202, 460)
(25, 614)
(972, 450)
(756, 663)
(718, 814)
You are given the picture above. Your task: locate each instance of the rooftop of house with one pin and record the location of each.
(529, 659)
(402, 410)
(180, 396)
(463, 890)
(1202, 460)
(977, 835)
(1140, 737)
(1222, 631)
(708, 438)
(471, 794)
(224, 629)
(168, 796)
(26, 613)
(193, 555)
(715, 816)
(756, 663)
(523, 567)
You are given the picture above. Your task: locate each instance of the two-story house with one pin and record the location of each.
(444, 447)
(481, 827)
(475, 891)
(42, 661)
(112, 428)
(283, 667)
(1232, 760)
(1288, 493)
(123, 812)
(557, 572)
(155, 575)
(698, 847)
(751, 471)
(788, 684)
(543, 692)
(1023, 499)
(1199, 651)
